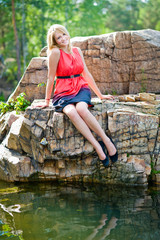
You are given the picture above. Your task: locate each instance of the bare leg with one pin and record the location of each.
(102, 224)
(90, 120)
(111, 225)
(82, 127)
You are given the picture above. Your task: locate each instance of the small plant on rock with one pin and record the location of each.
(114, 92)
(20, 104)
(42, 84)
(2, 98)
(143, 84)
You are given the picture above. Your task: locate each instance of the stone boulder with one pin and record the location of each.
(123, 62)
(35, 74)
(43, 145)
(120, 62)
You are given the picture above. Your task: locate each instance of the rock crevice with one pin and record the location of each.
(44, 145)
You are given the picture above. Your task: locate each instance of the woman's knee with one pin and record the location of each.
(82, 109)
(70, 111)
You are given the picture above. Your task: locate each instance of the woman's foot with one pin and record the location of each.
(105, 162)
(114, 157)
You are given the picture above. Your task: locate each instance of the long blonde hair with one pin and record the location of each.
(51, 42)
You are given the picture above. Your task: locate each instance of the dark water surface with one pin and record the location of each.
(48, 211)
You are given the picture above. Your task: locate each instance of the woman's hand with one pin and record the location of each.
(108, 97)
(43, 105)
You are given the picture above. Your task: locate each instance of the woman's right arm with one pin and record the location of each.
(53, 60)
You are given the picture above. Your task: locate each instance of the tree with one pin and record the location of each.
(149, 15)
(91, 19)
(123, 15)
(17, 42)
(24, 45)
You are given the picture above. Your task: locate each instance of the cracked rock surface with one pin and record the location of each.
(43, 145)
(123, 62)
(120, 62)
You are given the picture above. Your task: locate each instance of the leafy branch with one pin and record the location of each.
(20, 104)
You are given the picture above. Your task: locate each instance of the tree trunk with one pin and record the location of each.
(17, 42)
(24, 45)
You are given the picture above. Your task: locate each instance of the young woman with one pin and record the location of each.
(72, 95)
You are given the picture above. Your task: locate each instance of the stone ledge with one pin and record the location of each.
(48, 147)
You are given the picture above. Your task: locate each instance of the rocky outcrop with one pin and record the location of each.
(36, 73)
(43, 145)
(120, 62)
(123, 62)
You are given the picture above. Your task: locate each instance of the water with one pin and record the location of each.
(47, 211)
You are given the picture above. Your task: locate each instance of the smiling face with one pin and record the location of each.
(61, 38)
(58, 37)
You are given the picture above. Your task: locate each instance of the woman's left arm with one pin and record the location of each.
(89, 78)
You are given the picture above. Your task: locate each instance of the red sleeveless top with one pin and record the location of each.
(69, 64)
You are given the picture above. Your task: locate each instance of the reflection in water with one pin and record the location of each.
(46, 211)
(10, 209)
(111, 225)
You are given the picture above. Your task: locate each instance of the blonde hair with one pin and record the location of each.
(51, 42)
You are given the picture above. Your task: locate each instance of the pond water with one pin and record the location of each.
(49, 211)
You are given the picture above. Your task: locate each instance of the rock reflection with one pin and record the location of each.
(46, 211)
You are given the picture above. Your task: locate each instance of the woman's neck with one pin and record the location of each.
(66, 49)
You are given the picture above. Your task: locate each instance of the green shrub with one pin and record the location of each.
(153, 171)
(20, 104)
(41, 84)
(114, 92)
(2, 98)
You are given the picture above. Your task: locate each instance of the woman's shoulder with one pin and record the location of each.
(54, 52)
(77, 49)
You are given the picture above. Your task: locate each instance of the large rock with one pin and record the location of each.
(120, 62)
(123, 62)
(36, 73)
(44, 145)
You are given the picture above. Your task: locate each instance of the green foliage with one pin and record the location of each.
(20, 104)
(8, 232)
(9, 190)
(153, 171)
(113, 92)
(2, 98)
(149, 15)
(41, 84)
(9, 74)
(124, 14)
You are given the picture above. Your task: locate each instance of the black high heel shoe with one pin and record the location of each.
(106, 160)
(114, 158)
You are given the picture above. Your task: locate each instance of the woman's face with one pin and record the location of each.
(62, 39)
